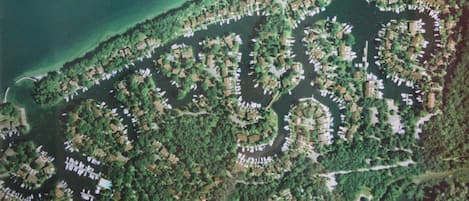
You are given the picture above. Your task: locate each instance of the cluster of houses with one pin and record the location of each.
(272, 64)
(266, 165)
(223, 64)
(164, 153)
(141, 76)
(411, 42)
(97, 73)
(224, 13)
(246, 115)
(145, 46)
(265, 133)
(252, 139)
(116, 128)
(320, 50)
(119, 129)
(298, 141)
(32, 175)
(248, 143)
(135, 111)
(418, 77)
(74, 89)
(310, 115)
(179, 62)
(262, 169)
(270, 166)
(304, 8)
(399, 6)
(443, 28)
(348, 102)
(304, 119)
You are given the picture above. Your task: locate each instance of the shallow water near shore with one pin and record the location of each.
(366, 20)
(39, 36)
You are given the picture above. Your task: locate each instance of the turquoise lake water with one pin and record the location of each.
(37, 36)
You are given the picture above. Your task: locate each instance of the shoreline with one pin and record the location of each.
(79, 50)
(5, 96)
(33, 78)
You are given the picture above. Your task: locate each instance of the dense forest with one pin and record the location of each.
(445, 138)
